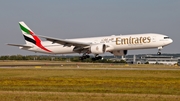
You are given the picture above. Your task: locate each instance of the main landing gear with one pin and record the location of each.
(93, 59)
(84, 57)
(97, 58)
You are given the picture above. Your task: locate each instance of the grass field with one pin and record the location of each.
(50, 83)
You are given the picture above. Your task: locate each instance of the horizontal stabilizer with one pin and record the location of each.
(24, 46)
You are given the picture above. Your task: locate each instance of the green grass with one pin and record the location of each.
(52, 83)
(70, 96)
(99, 81)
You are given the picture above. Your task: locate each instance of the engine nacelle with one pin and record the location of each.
(119, 52)
(98, 48)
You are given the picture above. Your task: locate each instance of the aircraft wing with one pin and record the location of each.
(66, 42)
(24, 46)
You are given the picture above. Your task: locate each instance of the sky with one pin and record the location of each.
(89, 18)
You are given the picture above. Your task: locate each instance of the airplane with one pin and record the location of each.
(118, 45)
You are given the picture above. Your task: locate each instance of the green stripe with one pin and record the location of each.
(24, 29)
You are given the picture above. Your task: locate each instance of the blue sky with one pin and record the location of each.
(86, 18)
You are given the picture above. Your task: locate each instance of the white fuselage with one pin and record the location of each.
(114, 42)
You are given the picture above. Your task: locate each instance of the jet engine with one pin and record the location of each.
(119, 52)
(98, 48)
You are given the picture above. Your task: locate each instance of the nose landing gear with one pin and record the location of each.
(159, 50)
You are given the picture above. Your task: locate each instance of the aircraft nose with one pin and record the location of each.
(170, 40)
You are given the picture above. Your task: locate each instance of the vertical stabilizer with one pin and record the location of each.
(27, 33)
(30, 37)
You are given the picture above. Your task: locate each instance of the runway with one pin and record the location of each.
(83, 68)
(128, 68)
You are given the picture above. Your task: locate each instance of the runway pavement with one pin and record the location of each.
(131, 68)
(94, 68)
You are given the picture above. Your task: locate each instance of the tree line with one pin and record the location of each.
(55, 58)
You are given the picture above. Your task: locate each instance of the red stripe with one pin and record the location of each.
(38, 42)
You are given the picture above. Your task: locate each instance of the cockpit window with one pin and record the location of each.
(166, 37)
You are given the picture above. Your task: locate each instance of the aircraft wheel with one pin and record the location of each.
(87, 56)
(98, 57)
(159, 53)
(84, 57)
